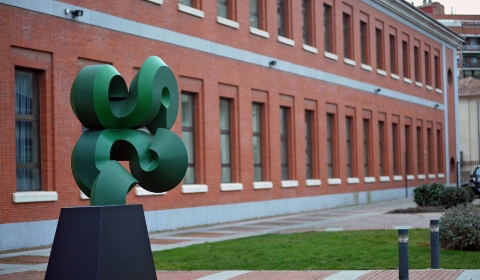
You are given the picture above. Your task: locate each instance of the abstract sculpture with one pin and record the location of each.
(109, 240)
(112, 114)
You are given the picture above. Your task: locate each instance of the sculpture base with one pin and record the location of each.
(101, 242)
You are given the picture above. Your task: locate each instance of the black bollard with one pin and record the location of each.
(434, 244)
(403, 254)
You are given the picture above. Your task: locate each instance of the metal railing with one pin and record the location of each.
(471, 64)
(471, 47)
(466, 168)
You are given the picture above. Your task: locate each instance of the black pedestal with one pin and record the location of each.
(101, 242)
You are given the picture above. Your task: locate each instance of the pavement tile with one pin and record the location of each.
(167, 241)
(200, 234)
(183, 275)
(242, 228)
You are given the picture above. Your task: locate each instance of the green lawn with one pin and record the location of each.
(345, 250)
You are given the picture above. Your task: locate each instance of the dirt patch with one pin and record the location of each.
(24, 260)
(414, 210)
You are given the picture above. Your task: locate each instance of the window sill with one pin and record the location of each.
(286, 41)
(334, 181)
(410, 177)
(349, 61)
(421, 176)
(194, 188)
(395, 76)
(227, 187)
(259, 32)
(407, 80)
(437, 90)
(191, 11)
(34, 196)
(228, 22)
(139, 191)
(397, 178)
(262, 185)
(428, 87)
(440, 175)
(418, 84)
(83, 196)
(353, 180)
(381, 72)
(309, 49)
(431, 176)
(313, 182)
(159, 2)
(369, 179)
(331, 56)
(366, 67)
(289, 184)
(384, 179)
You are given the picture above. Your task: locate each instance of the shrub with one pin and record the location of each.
(460, 228)
(453, 196)
(428, 195)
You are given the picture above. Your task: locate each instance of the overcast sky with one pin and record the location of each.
(466, 7)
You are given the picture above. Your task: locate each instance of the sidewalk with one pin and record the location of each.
(32, 264)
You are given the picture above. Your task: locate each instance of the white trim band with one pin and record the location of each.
(262, 185)
(437, 90)
(421, 176)
(366, 67)
(418, 84)
(34, 196)
(226, 187)
(194, 188)
(159, 2)
(381, 72)
(440, 175)
(407, 80)
(428, 87)
(397, 178)
(410, 177)
(83, 196)
(394, 76)
(349, 61)
(289, 183)
(431, 176)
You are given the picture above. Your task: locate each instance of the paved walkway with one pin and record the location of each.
(31, 264)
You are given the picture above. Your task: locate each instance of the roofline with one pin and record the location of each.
(413, 15)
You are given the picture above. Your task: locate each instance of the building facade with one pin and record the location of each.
(467, 26)
(469, 115)
(286, 106)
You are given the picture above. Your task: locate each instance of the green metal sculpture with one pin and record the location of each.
(112, 115)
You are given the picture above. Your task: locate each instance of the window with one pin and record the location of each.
(416, 57)
(381, 148)
(331, 145)
(347, 36)
(257, 141)
(366, 147)
(254, 14)
(408, 149)
(306, 26)
(281, 12)
(188, 135)
(393, 54)
(284, 116)
(439, 151)
(419, 151)
(225, 140)
(187, 2)
(430, 151)
(222, 8)
(349, 140)
(308, 144)
(436, 61)
(405, 57)
(27, 130)
(328, 28)
(364, 46)
(396, 150)
(427, 69)
(379, 47)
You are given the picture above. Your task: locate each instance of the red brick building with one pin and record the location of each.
(287, 105)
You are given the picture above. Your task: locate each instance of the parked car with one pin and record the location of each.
(474, 182)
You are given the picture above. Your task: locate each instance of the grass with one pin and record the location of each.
(346, 250)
